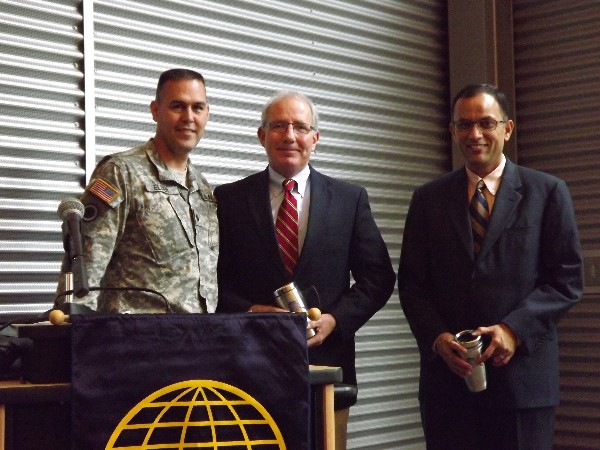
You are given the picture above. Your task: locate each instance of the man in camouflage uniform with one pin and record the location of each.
(150, 216)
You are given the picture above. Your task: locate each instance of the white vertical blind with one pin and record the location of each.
(377, 71)
(41, 112)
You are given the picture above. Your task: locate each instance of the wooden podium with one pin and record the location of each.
(322, 379)
(35, 416)
(35, 413)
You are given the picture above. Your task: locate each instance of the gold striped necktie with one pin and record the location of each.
(480, 214)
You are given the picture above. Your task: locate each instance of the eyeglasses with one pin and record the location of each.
(282, 127)
(487, 124)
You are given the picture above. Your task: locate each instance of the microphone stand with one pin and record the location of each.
(73, 265)
(80, 279)
(68, 277)
(66, 269)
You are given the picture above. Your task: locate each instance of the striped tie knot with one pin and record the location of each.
(289, 185)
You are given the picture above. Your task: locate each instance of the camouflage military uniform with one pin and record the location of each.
(141, 231)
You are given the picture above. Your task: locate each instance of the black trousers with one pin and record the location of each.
(469, 427)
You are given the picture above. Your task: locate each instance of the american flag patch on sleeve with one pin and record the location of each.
(104, 190)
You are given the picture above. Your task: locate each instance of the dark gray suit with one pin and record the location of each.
(341, 238)
(527, 275)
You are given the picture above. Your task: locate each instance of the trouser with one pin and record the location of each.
(471, 428)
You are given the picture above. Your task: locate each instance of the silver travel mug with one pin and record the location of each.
(476, 382)
(290, 298)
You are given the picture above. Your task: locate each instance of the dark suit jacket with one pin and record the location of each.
(341, 238)
(527, 275)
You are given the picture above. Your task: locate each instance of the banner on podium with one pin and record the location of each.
(215, 381)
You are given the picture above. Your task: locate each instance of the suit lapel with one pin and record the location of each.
(458, 210)
(320, 199)
(257, 197)
(507, 199)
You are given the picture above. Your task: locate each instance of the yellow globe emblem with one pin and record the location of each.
(197, 414)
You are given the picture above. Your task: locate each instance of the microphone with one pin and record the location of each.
(71, 212)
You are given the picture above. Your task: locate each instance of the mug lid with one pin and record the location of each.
(283, 289)
(467, 339)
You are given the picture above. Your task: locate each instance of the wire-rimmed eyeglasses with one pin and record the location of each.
(485, 124)
(300, 128)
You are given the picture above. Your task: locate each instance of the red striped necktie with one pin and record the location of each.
(286, 228)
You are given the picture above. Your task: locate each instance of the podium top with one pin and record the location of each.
(22, 392)
(47, 333)
(42, 330)
(324, 374)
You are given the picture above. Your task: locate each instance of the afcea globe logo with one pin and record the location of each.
(197, 414)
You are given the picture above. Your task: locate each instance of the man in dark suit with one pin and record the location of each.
(337, 236)
(512, 287)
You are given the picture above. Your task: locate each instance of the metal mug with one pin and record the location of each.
(477, 381)
(289, 297)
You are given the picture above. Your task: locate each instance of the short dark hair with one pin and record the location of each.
(475, 89)
(177, 74)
